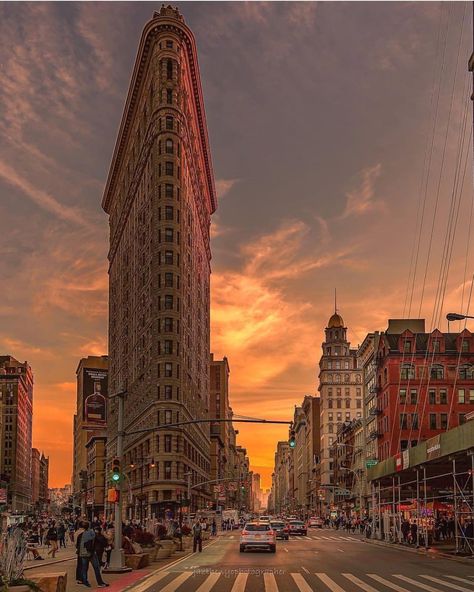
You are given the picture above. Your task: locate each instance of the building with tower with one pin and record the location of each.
(159, 196)
(340, 389)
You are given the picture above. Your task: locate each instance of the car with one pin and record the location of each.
(264, 519)
(281, 529)
(258, 535)
(297, 527)
(315, 522)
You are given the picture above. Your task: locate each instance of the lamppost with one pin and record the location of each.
(143, 461)
(455, 316)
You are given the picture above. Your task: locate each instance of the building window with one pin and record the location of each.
(168, 302)
(169, 122)
(169, 190)
(436, 345)
(169, 44)
(433, 422)
(347, 378)
(403, 396)
(338, 392)
(168, 373)
(462, 418)
(169, 148)
(168, 391)
(461, 396)
(414, 421)
(168, 417)
(169, 168)
(168, 257)
(432, 397)
(359, 403)
(169, 235)
(330, 403)
(169, 212)
(167, 469)
(339, 403)
(168, 280)
(169, 69)
(413, 396)
(407, 372)
(169, 96)
(167, 443)
(348, 403)
(168, 346)
(443, 397)
(436, 372)
(471, 396)
(403, 421)
(465, 372)
(168, 325)
(407, 346)
(444, 421)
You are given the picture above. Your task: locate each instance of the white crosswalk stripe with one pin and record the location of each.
(150, 581)
(447, 584)
(331, 584)
(360, 583)
(172, 586)
(302, 584)
(385, 582)
(458, 579)
(240, 582)
(209, 582)
(270, 582)
(415, 583)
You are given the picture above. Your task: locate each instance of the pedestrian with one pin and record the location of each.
(214, 528)
(109, 535)
(88, 555)
(71, 529)
(100, 544)
(197, 537)
(52, 537)
(62, 535)
(413, 533)
(405, 528)
(79, 531)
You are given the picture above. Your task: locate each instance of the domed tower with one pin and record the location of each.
(340, 387)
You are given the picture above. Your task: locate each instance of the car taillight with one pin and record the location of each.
(244, 532)
(285, 530)
(271, 532)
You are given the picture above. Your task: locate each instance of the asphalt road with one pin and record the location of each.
(325, 560)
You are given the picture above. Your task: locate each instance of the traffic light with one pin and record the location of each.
(116, 470)
(292, 438)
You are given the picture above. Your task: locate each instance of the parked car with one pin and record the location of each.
(297, 527)
(315, 522)
(258, 535)
(281, 529)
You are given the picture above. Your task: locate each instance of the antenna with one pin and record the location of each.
(335, 300)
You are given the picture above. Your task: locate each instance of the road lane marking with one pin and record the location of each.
(270, 582)
(385, 582)
(305, 569)
(360, 583)
(340, 550)
(171, 587)
(331, 584)
(447, 584)
(150, 581)
(415, 583)
(240, 582)
(285, 549)
(307, 538)
(325, 539)
(209, 582)
(303, 586)
(458, 579)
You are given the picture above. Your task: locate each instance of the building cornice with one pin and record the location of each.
(151, 30)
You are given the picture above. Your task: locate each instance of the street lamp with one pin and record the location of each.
(143, 462)
(455, 316)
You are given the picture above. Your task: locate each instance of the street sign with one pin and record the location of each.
(371, 462)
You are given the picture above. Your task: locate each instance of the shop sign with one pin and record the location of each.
(406, 458)
(398, 462)
(433, 447)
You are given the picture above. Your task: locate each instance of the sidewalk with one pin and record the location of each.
(431, 551)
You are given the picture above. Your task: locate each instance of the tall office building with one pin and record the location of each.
(159, 196)
(90, 419)
(340, 388)
(220, 431)
(16, 393)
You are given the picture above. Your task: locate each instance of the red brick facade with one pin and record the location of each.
(425, 386)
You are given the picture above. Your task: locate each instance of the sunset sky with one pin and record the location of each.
(319, 115)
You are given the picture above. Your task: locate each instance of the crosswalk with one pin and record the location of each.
(316, 538)
(201, 580)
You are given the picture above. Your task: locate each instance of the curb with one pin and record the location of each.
(165, 567)
(427, 553)
(44, 564)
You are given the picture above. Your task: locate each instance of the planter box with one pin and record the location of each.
(163, 553)
(49, 582)
(137, 560)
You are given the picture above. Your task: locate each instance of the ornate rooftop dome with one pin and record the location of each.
(335, 321)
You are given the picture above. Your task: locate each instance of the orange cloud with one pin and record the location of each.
(361, 200)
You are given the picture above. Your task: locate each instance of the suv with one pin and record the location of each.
(258, 535)
(315, 522)
(297, 527)
(280, 529)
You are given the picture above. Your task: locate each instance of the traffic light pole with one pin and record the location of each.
(117, 559)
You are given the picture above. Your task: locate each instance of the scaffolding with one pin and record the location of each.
(431, 504)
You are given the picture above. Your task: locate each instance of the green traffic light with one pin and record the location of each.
(116, 477)
(292, 443)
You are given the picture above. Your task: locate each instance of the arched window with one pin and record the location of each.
(329, 377)
(437, 372)
(358, 378)
(336, 378)
(347, 378)
(407, 372)
(465, 372)
(169, 146)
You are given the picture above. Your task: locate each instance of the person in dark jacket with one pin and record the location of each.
(62, 535)
(100, 543)
(52, 536)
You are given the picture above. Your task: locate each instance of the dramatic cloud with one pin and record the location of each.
(361, 200)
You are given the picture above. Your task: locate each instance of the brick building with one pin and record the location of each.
(159, 196)
(425, 384)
